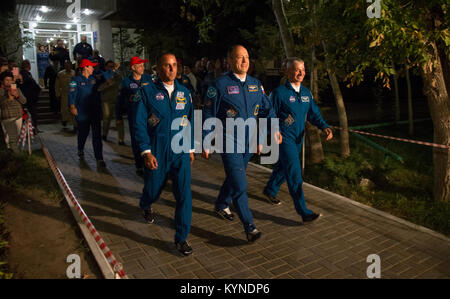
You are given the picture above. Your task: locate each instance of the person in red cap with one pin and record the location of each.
(85, 104)
(130, 96)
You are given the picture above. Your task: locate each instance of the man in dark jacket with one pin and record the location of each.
(31, 91)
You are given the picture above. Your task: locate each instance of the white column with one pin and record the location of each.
(104, 38)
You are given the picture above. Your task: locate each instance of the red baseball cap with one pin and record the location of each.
(137, 60)
(87, 62)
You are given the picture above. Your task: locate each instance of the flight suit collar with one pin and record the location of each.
(234, 78)
(289, 86)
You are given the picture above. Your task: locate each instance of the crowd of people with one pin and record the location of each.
(92, 92)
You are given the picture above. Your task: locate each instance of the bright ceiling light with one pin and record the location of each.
(68, 26)
(75, 20)
(65, 42)
(33, 25)
(87, 12)
(44, 9)
(38, 18)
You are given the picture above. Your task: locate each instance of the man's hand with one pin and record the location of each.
(150, 162)
(278, 137)
(14, 93)
(205, 154)
(329, 133)
(260, 149)
(192, 156)
(116, 66)
(73, 110)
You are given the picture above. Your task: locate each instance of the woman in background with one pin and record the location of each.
(43, 60)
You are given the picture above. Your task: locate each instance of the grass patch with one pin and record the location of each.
(24, 173)
(370, 177)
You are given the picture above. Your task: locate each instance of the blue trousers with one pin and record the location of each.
(84, 127)
(138, 160)
(234, 189)
(179, 169)
(289, 169)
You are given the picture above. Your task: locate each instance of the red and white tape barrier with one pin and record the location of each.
(115, 265)
(396, 138)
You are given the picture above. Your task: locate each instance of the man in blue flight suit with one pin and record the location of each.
(183, 79)
(166, 112)
(85, 104)
(131, 93)
(236, 96)
(294, 105)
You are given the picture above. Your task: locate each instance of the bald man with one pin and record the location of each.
(237, 96)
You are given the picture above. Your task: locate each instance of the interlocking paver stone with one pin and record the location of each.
(335, 246)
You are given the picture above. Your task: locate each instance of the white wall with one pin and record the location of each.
(104, 39)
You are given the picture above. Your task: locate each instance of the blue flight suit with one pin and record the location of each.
(155, 114)
(293, 109)
(84, 50)
(186, 82)
(131, 94)
(84, 94)
(228, 97)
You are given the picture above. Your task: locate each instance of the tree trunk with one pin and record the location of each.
(343, 121)
(410, 105)
(286, 36)
(316, 154)
(438, 100)
(397, 97)
(312, 133)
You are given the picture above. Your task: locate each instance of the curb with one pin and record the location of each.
(103, 257)
(369, 209)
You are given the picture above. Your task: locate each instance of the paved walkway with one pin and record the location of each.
(335, 246)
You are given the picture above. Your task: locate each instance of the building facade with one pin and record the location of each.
(46, 21)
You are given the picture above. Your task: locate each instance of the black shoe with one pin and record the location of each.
(140, 172)
(271, 199)
(101, 164)
(81, 154)
(105, 138)
(225, 214)
(148, 216)
(184, 248)
(121, 143)
(253, 236)
(310, 218)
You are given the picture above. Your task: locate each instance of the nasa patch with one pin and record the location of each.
(292, 99)
(134, 86)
